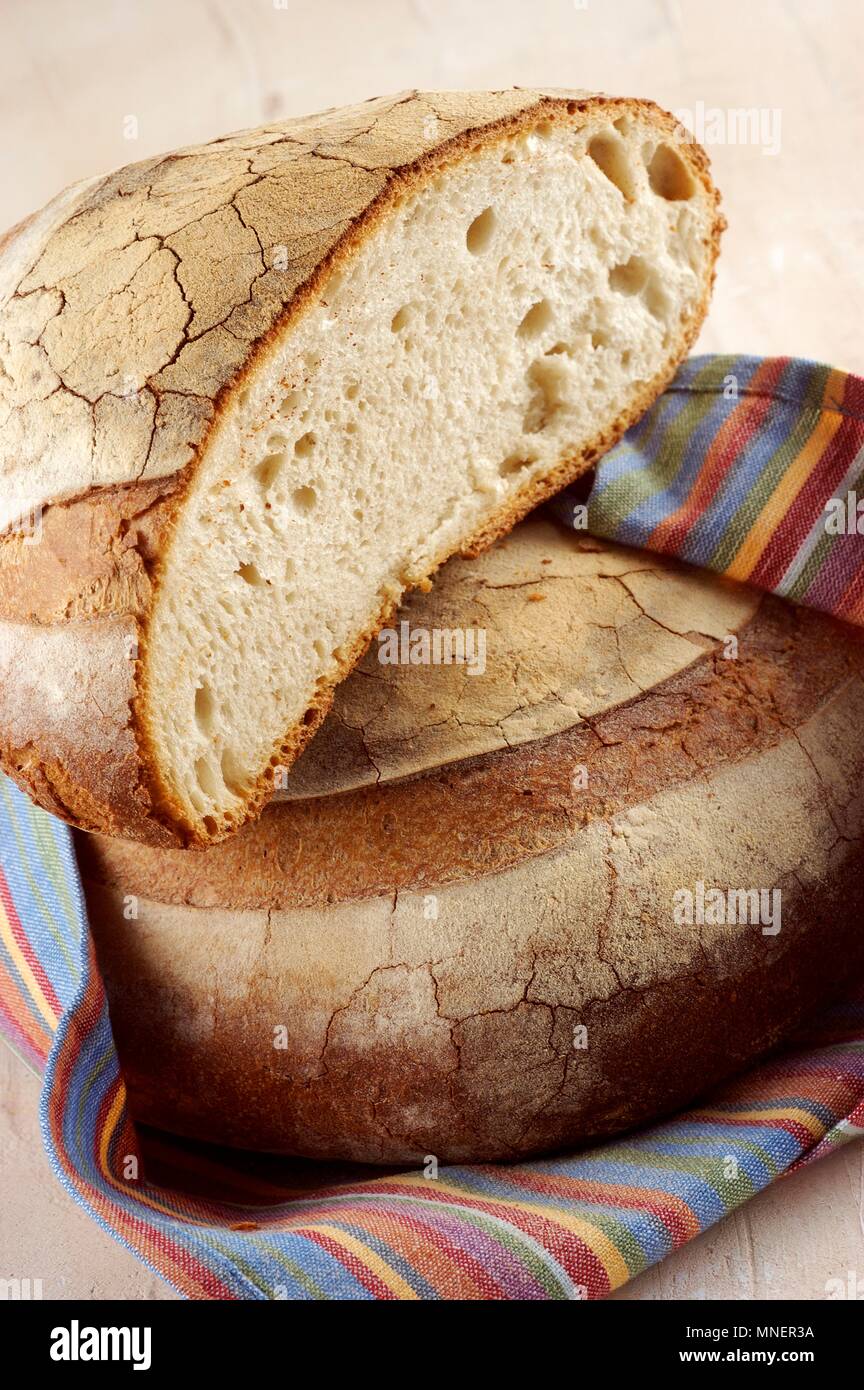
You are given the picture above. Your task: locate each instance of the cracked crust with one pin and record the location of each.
(614, 622)
(131, 309)
(430, 943)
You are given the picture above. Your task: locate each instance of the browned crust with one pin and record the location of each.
(95, 557)
(90, 574)
(517, 1089)
(146, 808)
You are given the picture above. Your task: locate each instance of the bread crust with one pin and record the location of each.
(330, 180)
(489, 813)
(412, 1031)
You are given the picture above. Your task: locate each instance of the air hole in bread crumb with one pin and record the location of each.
(656, 299)
(538, 318)
(514, 464)
(207, 779)
(630, 277)
(204, 709)
(599, 338)
(400, 318)
(547, 391)
(305, 444)
(479, 235)
(210, 824)
(251, 575)
(267, 471)
(304, 499)
(232, 773)
(609, 154)
(669, 176)
(290, 403)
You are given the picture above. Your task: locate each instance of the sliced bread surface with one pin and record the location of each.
(315, 360)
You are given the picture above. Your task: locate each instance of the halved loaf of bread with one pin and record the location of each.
(253, 391)
(477, 954)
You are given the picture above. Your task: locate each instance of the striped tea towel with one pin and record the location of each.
(748, 466)
(732, 468)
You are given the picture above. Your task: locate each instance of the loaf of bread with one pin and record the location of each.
(252, 391)
(469, 935)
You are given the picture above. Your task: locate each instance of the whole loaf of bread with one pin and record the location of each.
(500, 914)
(253, 391)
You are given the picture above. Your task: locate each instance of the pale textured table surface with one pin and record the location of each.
(77, 78)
